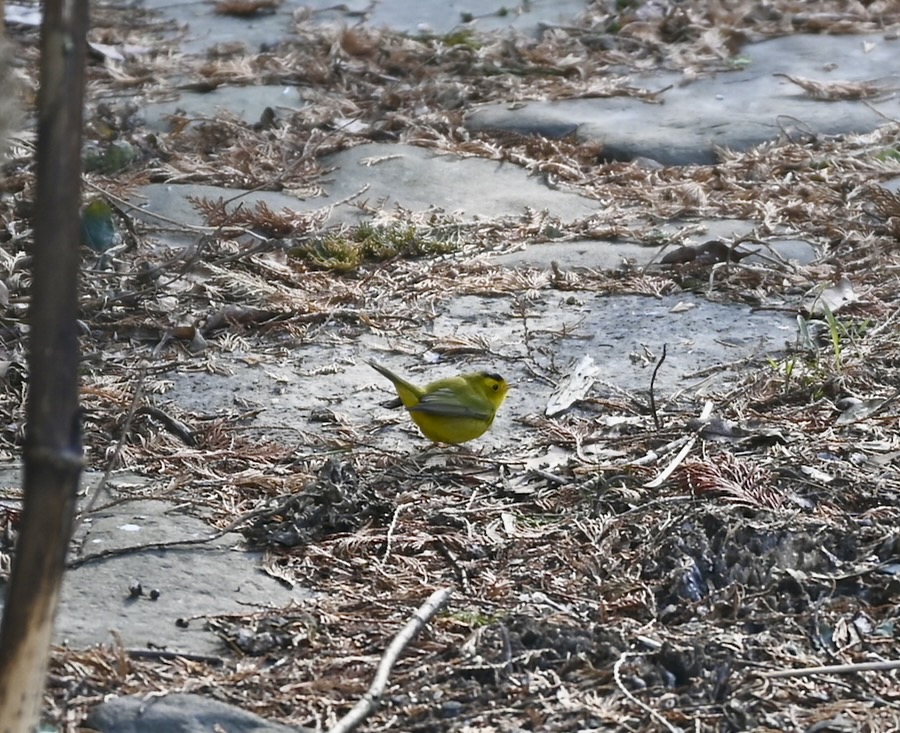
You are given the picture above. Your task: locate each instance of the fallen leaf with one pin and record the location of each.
(682, 307)
(833, 299)
(573, 388)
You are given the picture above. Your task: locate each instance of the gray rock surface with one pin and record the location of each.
(624, 334)
(204, 28)
(790, 250)
(245, 103)
(418, 178)
(217, 577)
(405, 175)
(602, 255)
(177, 713)
(737, 109)
(732, 109)
(192, 582)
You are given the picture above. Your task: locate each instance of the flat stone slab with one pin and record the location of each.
(439, 16)
(246, 103)
(415, 178)
(194, 581)
(419, 179)
(173, 201)
(592, 254)
(624, 334)
(599, 254)
(204, 28)
(737, 109)
(177, 713)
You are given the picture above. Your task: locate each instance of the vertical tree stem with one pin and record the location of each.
(53, 441)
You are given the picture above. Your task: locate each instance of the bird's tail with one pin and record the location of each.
(409, 394)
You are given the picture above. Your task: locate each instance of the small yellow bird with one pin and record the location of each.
(451, 410)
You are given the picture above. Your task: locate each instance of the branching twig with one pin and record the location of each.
(370, 700)
(652, 383)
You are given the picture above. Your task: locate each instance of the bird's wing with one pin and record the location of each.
(446, 403)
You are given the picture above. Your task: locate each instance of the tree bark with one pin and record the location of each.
(53, 442)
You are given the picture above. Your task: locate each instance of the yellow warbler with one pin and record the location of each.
(451, 410)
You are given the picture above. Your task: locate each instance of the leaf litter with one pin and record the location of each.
(584, 598)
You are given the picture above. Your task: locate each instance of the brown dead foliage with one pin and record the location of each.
(246, 8)
(585, 596)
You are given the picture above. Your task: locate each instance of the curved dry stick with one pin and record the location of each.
(391, 528)
(617, 676)
(366, 706)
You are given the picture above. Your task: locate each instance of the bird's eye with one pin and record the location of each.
(495, 386)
